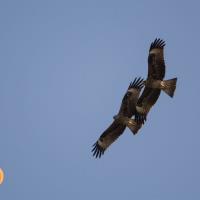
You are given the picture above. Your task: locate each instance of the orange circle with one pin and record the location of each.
(1, 176)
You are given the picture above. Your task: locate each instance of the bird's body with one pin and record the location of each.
(154, 82)
(156, 71)
(121, 120)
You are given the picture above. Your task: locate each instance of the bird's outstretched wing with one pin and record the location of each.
(129, 101)
(107, 138)
(156, 63)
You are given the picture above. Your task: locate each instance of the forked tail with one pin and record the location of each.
(169, 86)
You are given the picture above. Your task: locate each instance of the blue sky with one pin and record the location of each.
(64, 68)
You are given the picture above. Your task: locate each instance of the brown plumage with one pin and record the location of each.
(154, 83)
(156, 70)
(121, 120)
(132, 104)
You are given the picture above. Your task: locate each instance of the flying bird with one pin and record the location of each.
(122, 119)
(135, 105)
(154, 82)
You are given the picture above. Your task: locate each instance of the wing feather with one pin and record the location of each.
(156, 64)
(107, 138)
(130, 98)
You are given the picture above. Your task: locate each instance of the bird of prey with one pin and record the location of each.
(135, 105)
(154, 83)
(122, 119)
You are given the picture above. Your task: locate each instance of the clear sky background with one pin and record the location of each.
(64, 68)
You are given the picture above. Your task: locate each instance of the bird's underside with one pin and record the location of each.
(121, 120)
(154, 83)
(136, 105)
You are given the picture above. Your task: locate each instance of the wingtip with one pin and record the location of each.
(157, 43)
(138, 83)
(97, 150)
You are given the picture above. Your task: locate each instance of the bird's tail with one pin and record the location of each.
(133, 125)
(169, 86)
